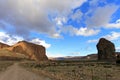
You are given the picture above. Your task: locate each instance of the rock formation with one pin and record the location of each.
(106, 50)
(2, 45)
(118, 57)
(33, 51)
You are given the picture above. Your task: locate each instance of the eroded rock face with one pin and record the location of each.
(118, 57)
(106, 50)
(2, 45)
(33, 51)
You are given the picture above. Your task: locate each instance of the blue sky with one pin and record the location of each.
(65, 28)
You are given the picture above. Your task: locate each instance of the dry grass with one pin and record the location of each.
(5, 64)
(8, 53)
(71, 70)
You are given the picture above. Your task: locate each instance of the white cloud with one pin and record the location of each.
(113, 36)
(60, 20)
(77, 16)
(92, 41)
(33, 14)
(114, 25)
(56, 36)
(80, 32)
(96, 2)
(86, 32)
(101, 16)
(8, 39)
(11, 40)
(40, 42)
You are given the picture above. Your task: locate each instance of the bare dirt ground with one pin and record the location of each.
(15, 72)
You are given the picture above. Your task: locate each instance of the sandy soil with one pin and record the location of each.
(15, 72)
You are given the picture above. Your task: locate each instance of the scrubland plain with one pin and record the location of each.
(75, 70)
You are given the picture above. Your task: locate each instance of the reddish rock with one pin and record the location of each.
(33, 51)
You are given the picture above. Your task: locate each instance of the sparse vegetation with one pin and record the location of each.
(9, 55)
(76, 70)
(5, 64)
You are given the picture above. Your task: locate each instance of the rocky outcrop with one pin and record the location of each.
(118, 57)
(2, 45)
(106, 50)
(9, 55)
(33, 51)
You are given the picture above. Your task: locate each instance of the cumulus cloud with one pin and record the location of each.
(40, 42)
(101, 16)
(86, 32)
(114, 25)
(82, 31)
(33, 14)
(9, 39)
(77, 16)
(12, 39)
(113, 36)
(60, 20)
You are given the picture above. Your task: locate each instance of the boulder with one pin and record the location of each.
(33, 51)
(106, 50)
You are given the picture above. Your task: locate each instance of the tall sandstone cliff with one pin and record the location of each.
(33, 51)
(106, 50)
(30, 50)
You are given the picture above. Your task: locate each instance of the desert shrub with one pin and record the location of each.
(107, 66)
(37, 66)
(5, 64)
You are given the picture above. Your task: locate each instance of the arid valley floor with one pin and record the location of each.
(59, 70)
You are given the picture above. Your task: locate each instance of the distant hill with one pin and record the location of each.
(88, 57)
(24, 49)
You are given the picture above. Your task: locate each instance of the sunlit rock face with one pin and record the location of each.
(106, 50)
(33, 51)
